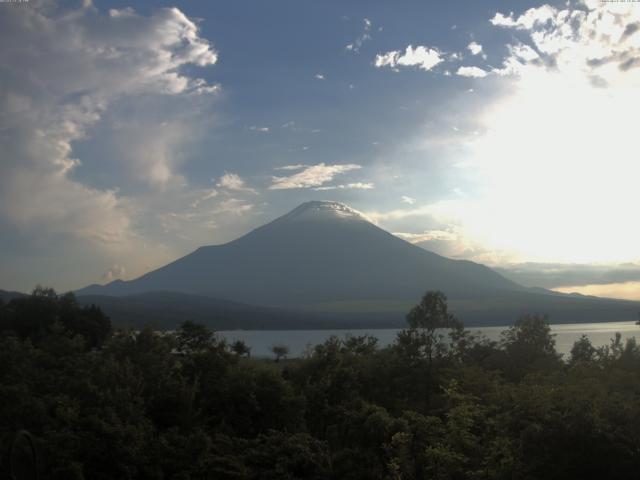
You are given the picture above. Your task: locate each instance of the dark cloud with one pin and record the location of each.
(552, 275)
(629, 64)
(598, 81)
(630, 29)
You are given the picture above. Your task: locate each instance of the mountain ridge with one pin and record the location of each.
(310, 241)
(322, 255)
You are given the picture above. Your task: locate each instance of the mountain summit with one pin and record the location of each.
(319, 252)
(323, 211)
(327, 257)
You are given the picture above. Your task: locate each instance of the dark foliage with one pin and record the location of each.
(36, 316)
(439, 403)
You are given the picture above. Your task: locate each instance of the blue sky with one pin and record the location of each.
(135, 132)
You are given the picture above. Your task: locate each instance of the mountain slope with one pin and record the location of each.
(326, 257)
(166, 310)
(319, 252)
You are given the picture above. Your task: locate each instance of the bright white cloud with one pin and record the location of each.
(259, 129)
(313, 176)
(389, 59)
(407, 200)
(475, 72)
(422, 57)
(474, 48)
(533, 17)
(502, 20)
(233, 181)
(319, 76)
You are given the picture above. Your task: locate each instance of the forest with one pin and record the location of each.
(81, 400)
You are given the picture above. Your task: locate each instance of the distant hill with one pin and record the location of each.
(327, 258)
(5, 295)
(166, 310)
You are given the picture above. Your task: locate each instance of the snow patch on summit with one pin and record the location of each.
(324, 210)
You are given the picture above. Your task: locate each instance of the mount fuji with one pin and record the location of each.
(325, 257)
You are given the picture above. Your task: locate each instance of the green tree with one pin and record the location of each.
(43, 312)
(426, 320)
(88, 321)
(360, 344)
(280, 351)
(282, 456)
(529, 346)
(240, 348)
(583, 351)
(193, 337)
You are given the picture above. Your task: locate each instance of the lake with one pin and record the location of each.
(298, 341)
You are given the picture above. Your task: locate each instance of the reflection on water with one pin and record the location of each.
(298, 341)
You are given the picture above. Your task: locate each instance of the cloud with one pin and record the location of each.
(630, 29)
(319, 76)
(347, 186)
(450, 241)
(522, 52)
(236, 206)
(233, 182)
(259, 129)
(422, 57)
(427, 236)
(501, 20)
(365, 36)
(475, 72)
(625, 291)
(131, 150)
(407, 200)
(539, 159)
(298, 166)
(312, 176)
(474, 48)
(116, 271)
(553, 275)
(533, 17)
(204, 196)
(400, 214)
(210, 194)
(194, 223)
(64, 74)
(595, 40)
(389, 59)
(609, 280)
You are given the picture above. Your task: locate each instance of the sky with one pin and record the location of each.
(132, 133)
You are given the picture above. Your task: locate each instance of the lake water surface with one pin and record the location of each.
(298, 341)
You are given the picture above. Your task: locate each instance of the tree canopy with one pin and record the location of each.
(185, 405)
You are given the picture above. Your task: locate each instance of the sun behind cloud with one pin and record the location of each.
(555, 167)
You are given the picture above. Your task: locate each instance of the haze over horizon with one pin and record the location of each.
(132, 134)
